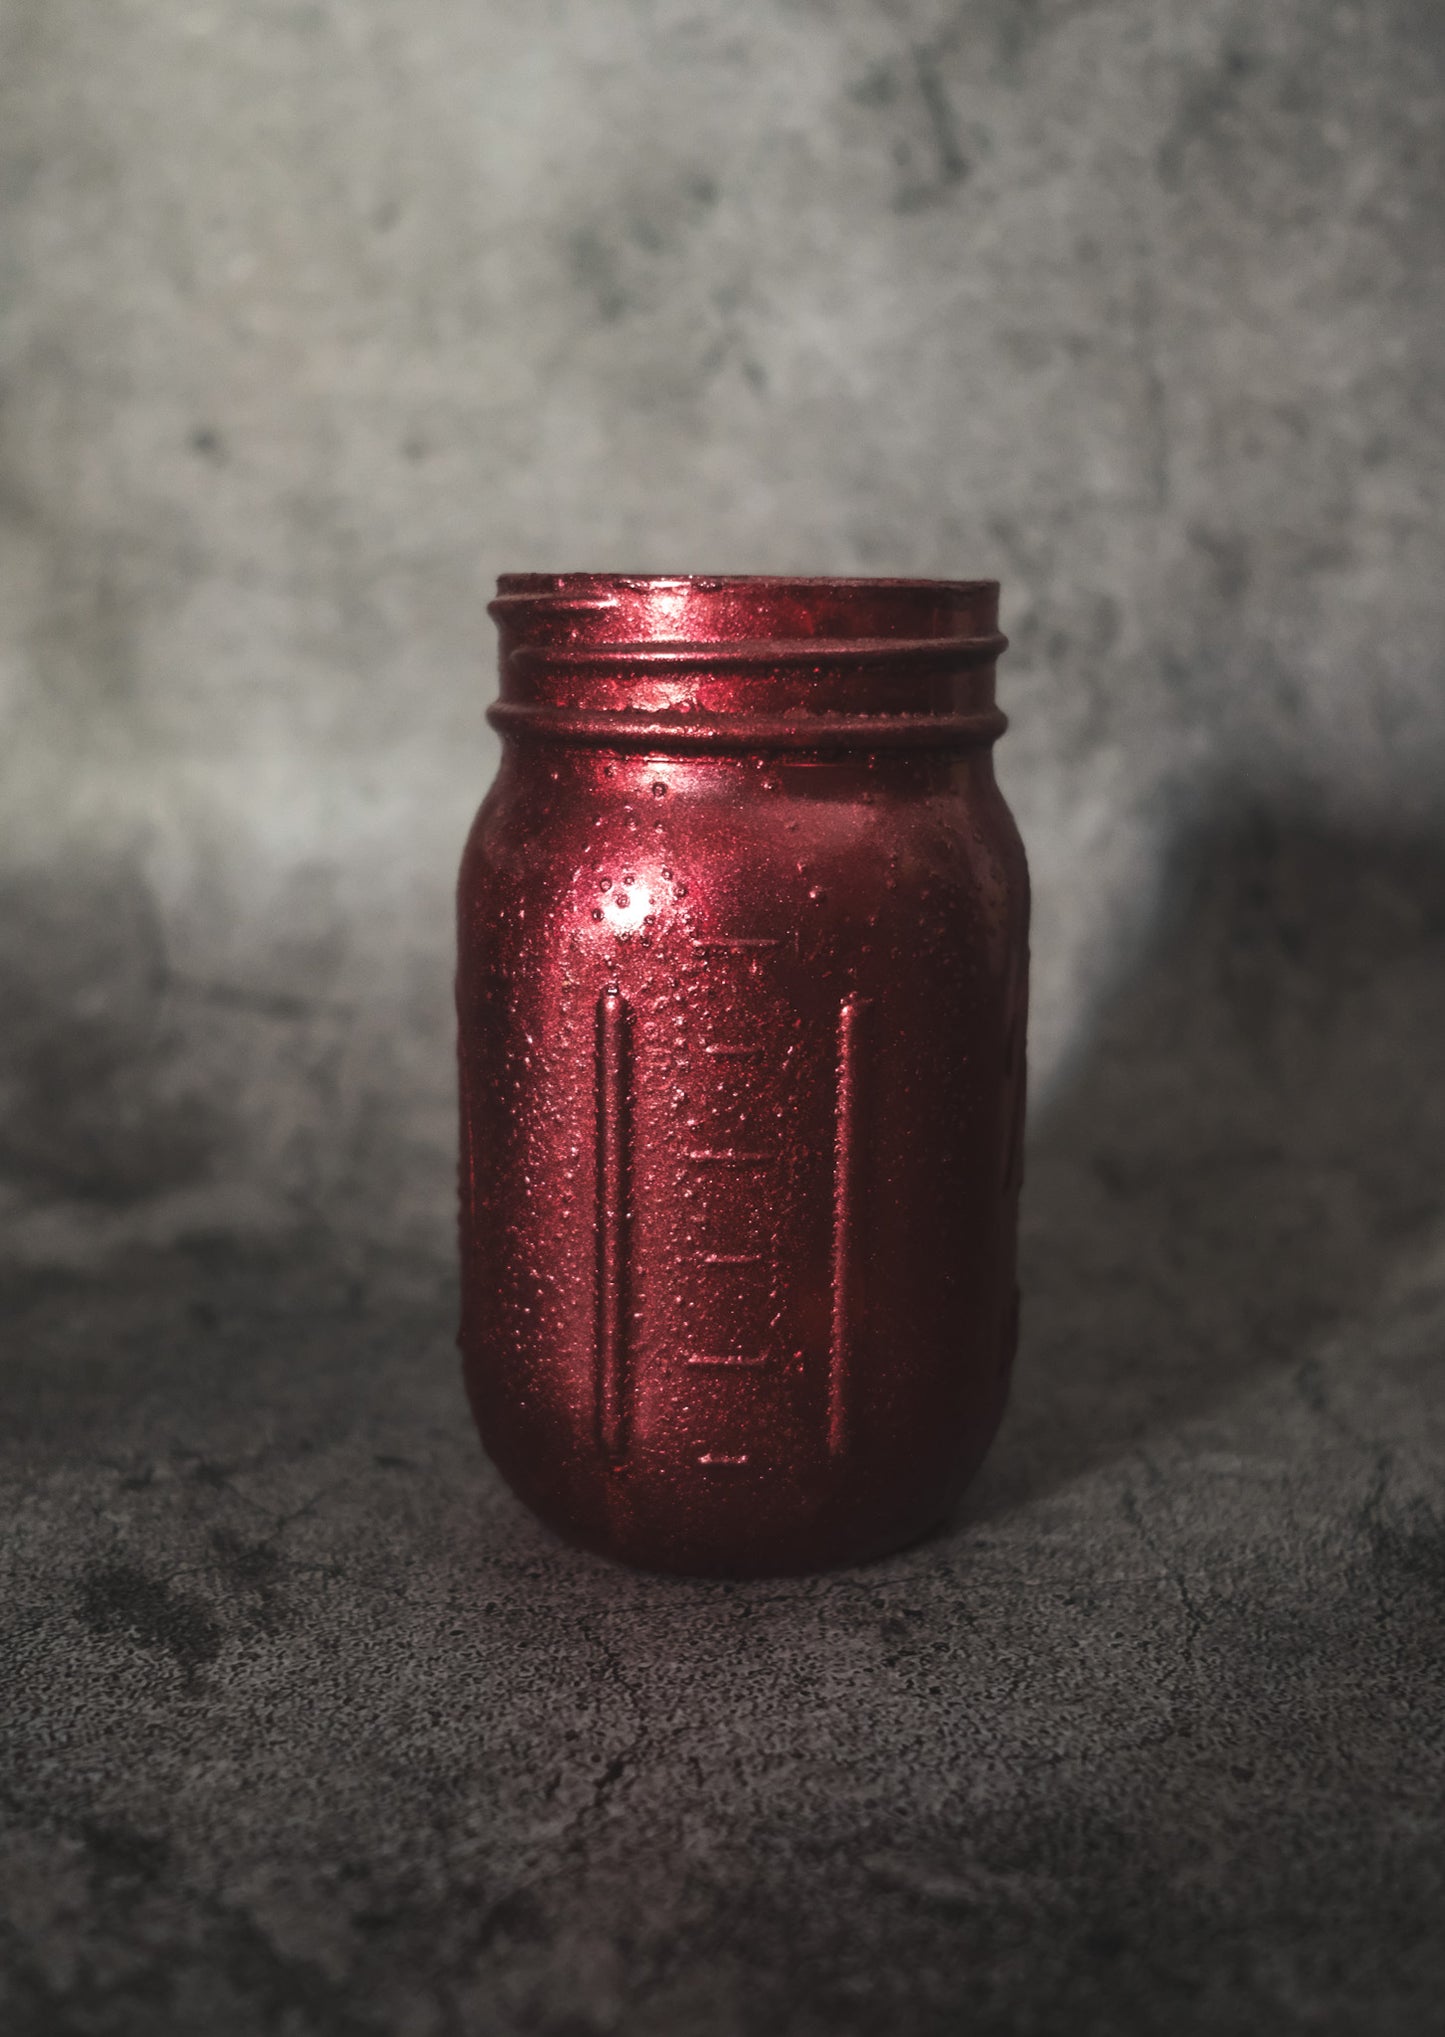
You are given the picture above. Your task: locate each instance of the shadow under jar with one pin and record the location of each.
(741, 998)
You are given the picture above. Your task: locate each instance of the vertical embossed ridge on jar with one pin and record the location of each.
(741, 992)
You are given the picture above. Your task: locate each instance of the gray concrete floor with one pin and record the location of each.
(310, 1730)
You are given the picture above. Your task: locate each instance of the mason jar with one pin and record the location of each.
(742, 966)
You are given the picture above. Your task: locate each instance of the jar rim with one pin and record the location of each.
(722, 583)
(709, 609)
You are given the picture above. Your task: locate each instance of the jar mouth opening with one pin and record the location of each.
(723, 608)
(718, 583)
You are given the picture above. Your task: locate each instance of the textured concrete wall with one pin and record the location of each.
(316, 313)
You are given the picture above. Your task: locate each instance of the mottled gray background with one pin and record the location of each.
(313, 317)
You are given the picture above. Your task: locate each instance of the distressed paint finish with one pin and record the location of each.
(742, 968)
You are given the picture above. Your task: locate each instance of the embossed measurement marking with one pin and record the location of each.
(852, 1016)
(730, 1313)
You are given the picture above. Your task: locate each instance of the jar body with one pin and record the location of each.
(741, 1046)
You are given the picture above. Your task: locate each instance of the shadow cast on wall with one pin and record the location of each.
(1248, 1153)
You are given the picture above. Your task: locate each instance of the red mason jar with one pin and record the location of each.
(741, 995)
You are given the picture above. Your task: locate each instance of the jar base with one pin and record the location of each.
(814, 1548)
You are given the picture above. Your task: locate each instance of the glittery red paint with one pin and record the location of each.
(741, 988)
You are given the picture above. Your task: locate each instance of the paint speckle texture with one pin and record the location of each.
(315, 318)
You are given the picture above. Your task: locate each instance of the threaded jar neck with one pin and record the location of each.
(694, 662)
